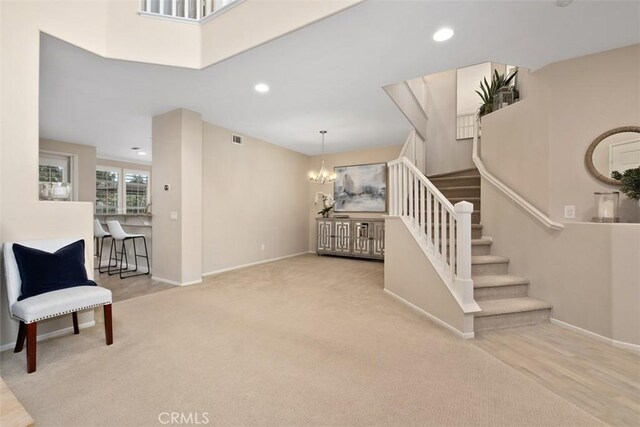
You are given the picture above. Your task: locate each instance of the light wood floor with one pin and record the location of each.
(131, 287)
(597, 377)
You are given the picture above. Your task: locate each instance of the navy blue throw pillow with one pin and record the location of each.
(43, 272)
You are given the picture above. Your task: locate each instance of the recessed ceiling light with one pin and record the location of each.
(261, 87)
(142, 153)
(443, 34)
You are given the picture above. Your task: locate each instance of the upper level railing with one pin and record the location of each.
(442, 230)
(186, 10)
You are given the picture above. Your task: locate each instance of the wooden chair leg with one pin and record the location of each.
(32, 334)
(76, 329)
(22, 335)
(108, 325)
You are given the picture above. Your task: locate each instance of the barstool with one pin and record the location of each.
(119, 235)
(99, 234)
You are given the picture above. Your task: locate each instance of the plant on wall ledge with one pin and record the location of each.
(630, 182)
(498, 84)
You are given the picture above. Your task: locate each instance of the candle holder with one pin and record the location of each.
(607, 206)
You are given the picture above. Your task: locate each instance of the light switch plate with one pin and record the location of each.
(173, 215)
(569, 211)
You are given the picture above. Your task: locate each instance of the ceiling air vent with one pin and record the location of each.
(237, 139)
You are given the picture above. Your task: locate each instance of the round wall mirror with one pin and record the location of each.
(615, 150)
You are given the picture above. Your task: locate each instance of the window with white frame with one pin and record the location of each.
(108, 190)
(136, 191)
(121, 190)
(55, 175)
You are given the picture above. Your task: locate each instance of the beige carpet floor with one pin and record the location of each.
(304, 341)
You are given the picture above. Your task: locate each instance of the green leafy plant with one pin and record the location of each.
(498, 83)
(630, 181)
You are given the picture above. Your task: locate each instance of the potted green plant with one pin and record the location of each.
(630, 182)
(499, 83)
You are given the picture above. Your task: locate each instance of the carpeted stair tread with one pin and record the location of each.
(481, 242)
(498, 280)
(488, 259)
(461, 188)
(510, 305)
(455, 200)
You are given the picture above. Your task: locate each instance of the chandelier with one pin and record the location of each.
(322, 176)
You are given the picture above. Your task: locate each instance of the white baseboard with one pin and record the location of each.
(53, 334)
(174, 283)
(465, 335)
(598, 337)
(237, 267)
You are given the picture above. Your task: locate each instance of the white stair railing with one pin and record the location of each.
(442, 230)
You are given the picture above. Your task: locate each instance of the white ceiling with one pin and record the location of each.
(325, 76)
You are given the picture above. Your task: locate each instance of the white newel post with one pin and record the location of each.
(464, 284)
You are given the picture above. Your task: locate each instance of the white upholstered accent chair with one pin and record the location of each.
(30, 311)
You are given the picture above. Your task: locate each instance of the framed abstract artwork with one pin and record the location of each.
(360, 188)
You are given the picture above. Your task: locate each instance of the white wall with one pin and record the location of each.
(468, 81)
(444, 152)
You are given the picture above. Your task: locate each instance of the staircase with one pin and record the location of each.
(503, 297)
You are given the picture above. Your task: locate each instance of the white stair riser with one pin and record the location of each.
(510, 320)
(489, 269)
(500, 292)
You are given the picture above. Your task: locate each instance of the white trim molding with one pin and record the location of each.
(597, 337)
(265, 261)
(53, 334)
(465, 335)
(507, 191)
(174, 283)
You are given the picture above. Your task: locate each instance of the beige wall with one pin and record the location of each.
(444, 152)
(23, 216)
(359, 157)
(124, 165)
(544, 137)
(177, 162)
(166, 233)
(86, 165)
(254, 22)
(253, 195)
(589, 272)
(408, 275)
